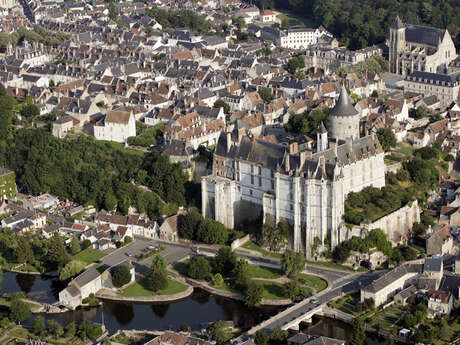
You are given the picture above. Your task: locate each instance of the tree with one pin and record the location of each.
(199, 268)
(121, 276)
(19, 311)
(409, 320)
(55, 328)
(375, 94)
(128, 239)
(57, 253)
(386, 138)
(220, 332)
(86, 244)
(292, 263)
(220, 103)
(71, 269)
(253, 294)
(212, 232)
(39, 326)
(358, 337)
(188, 224)
(159, 276)
(261, 338)
(278, 336)
(23, 250)
(275, 238)
(266, 94)
(296, 62)
(239, 22)
(70, 330)
(341, 253)
(419, 229)
(110, 201)
(30, 110)
(224, 261)
(74, 245)
(241, 272)
(217, 279)
(293, 290)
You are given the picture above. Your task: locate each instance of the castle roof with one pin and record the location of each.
(344, 106)
(321, 128)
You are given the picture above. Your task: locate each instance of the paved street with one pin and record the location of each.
(172, 253)
(350, 284)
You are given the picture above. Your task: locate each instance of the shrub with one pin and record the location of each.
(121, 276)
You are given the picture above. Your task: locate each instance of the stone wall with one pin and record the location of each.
(240, 241)
(393, 168)
(398, 224)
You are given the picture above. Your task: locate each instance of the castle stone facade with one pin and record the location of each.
(419, 48)
(252, 177)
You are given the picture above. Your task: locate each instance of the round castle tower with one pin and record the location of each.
(344, 118)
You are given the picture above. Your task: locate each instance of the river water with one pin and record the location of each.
(197, 310)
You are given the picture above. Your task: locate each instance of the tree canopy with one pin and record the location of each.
(361, 23)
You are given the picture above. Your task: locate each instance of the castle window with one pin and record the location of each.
(252, 169)
(250, 192)
(260, 181)
(273, 185)
(252, 179)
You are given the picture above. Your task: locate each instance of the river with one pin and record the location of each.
(197, 310)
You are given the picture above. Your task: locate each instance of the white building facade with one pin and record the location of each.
(252, 177)
(117, 126)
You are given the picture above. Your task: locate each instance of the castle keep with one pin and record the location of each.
(305, 189)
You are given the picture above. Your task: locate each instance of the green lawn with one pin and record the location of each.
(387, 317)
(346, 304)
(141, 289)
(405, 148)
(252, 246)
(272, 290)
(314, 282)
(89, 256)
(264, 272)
(226, 286)
(336, 266)
(296, 20)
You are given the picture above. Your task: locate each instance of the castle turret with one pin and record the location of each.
(321, 138)
(344, 118)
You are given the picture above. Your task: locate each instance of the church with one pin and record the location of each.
(253, 177)
(419, 48)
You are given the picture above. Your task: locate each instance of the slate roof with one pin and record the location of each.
(393, 275)
(423, 34)
(432, 265)
(420, 76)
(86, 277)
(344, 106)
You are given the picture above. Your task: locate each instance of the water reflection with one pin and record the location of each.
(160, 310)
(197, 310)
(25, 282)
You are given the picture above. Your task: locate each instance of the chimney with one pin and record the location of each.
(334, 147)
(293, 148)
(241, 132)
(303, 157)
(349, 143)
(229, 141)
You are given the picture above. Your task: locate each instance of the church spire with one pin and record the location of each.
(397, 23)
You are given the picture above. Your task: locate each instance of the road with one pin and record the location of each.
(348, 285)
